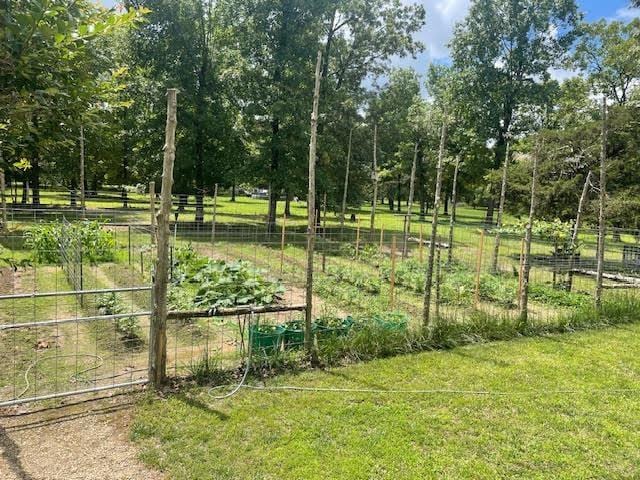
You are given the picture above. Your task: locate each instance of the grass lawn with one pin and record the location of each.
(302, 435)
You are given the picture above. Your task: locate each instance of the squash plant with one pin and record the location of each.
(216, 283)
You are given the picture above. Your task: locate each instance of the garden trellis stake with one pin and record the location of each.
(346, 179)
(412, 183)
(503, 196)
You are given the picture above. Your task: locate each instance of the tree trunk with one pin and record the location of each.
(233, 191)
(35, 180)
(426, 314)
(287, 204)
(274, 167)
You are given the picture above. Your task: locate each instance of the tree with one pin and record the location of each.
(52, 73)
(608, 53)
(504, 50)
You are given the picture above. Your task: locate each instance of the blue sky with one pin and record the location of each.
(442, 15)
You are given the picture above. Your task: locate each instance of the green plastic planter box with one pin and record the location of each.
(267, 342)
(392, 323)
(339, 330)
(294, 334)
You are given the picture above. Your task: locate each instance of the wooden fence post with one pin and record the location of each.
(215, 212)
(158, 328)
(83, 205)
(503, 196)
(311, 216)
(381, 238)
(526, 258)
(3, 201)
(358, 239)
(438, 280)
(324, 232)
(452, 218)
(421, 247)
(412, 183)
(520, 269)
(282, 242)
(476, 299)
(152, 210)
(602, 227)
(426, 313)
(392, 288)
(346, 179)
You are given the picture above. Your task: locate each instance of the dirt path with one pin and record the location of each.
(76, 442)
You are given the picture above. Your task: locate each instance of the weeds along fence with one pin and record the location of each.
(75, 312)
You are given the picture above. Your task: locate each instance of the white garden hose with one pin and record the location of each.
(99, 363)
(246, 370)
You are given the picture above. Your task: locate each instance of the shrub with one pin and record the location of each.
(96, 244)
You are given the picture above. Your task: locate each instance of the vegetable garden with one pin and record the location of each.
(93, 333)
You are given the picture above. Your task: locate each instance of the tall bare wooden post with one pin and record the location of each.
(503, 196)
(282, 241)
(374, 200)
(152, 211)
(452, 217)
(346, 179)
(158, 330)
(602, 227)
(426, 313)
(526, 259)
(381, 238)
(392, 280)
(214, 214)
(324, 232)
(358, 239)
(476, 298)
(3, 201)
(421, 247)
(311, 205)
(83, 206)
(412, 183)
(576, 228)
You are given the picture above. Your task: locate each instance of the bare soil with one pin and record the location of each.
(79, 441)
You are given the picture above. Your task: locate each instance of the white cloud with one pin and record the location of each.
(442, 15)
(561, 74)
(627, 13)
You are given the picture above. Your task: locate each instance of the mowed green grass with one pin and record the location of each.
(531, 434)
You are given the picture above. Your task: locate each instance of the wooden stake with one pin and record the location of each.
(426, 313)
(602, 227)
(152, 210)
(3, 202)
(324, 231)
(503, 196)
(346, 179)
(83, 205)
(215, 212)
(311, 223)
(282, 242)
(452, 218)
(358, 239)
(438, 281)
(381, 238)
(526, 262)
(392, 288)
(476, 300)
(158, 328)
(374, 202)
(521, 268)
(412, 183)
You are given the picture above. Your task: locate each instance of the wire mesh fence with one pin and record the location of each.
(72, 321)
